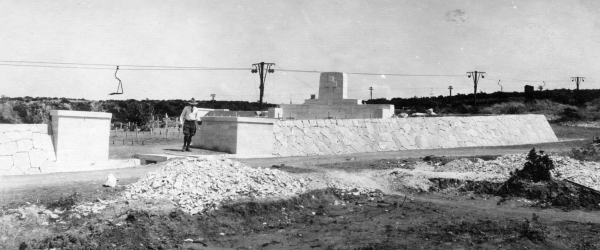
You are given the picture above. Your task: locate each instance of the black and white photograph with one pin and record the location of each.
(299, 124)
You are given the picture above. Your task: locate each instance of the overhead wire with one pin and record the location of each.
(52, 66)
(281, 69)
(136, 67)
(26, 63)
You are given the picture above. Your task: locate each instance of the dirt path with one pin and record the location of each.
(390, 221)
(34, 188)
(128, 175)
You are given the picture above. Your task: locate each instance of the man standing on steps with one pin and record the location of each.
(188, 119)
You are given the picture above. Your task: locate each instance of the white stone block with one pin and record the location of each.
(26, 134)
(41, 128)
(47, 142)
(4, 138)
(37, 140)
(277, 128)
(13, 135)
(21, 160)
(8, 148)
(37, 157)
(12, 171)
(6, 162)
(24, 145)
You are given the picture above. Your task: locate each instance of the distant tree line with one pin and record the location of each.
(139, 112)
(463, 104)
(567, 104)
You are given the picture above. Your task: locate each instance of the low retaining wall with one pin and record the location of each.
(236, 135)
(344, 136)
(78, 141)
(25, 148)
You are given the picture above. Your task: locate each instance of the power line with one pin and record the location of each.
(364, 73)
(106, 68)
(491, 77)
(113, 65)
(297, 70)
(393, 74)
(281, 69)
(51, 66)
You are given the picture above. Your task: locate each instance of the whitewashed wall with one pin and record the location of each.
(25, 148)
(344, 136)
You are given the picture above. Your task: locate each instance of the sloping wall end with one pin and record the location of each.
(25, 149)
(345, 136)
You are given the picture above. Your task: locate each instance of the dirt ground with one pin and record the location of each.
(395, 218)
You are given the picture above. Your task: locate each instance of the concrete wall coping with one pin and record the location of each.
(82, 114)
(239, 119)
(205, 109)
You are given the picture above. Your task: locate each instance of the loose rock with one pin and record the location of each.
(198, 185)
(111, 181)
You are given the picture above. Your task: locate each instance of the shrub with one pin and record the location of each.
(34, 113)
(571, 114)
(140, 114)
(586, 153)
(537, 168)
(508, 108)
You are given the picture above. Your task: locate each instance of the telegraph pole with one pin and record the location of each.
(262, 73)
(450, 88)
(577, 79)
(371, 89)
(475, 75)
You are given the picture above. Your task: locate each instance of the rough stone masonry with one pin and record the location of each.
(345, 136)
(25, 148)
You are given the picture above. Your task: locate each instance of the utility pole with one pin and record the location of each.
(500, 86)
(213, 97)
(475, 75)
(450, 88)
(371, 89)
(262, 73)
(577, 79)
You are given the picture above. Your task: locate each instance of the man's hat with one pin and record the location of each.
(192, 102)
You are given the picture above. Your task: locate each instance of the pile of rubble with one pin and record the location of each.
(582, 172)
(502, 165)
(198, 185)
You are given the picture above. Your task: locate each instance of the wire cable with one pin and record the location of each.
(51, 66)
(313, 88)
(113, 65)
(362, 73)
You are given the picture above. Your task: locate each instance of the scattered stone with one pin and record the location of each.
(199, 185)
(111, 181)
(581, 172)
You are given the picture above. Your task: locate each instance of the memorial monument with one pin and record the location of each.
(332, 103)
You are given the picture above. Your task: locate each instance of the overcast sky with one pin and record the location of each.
(510, 40)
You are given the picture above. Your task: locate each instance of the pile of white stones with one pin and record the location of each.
(199, 185)
(582, 172)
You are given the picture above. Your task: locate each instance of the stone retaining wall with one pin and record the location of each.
(344, 136)
(25, 148)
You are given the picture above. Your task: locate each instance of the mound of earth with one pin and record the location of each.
(582, 172)
(555, 193)
(198, 185)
